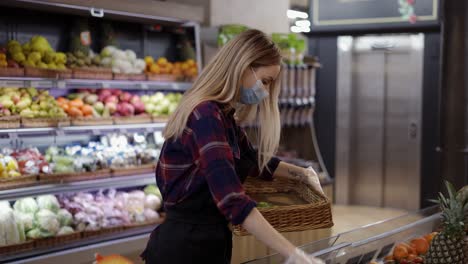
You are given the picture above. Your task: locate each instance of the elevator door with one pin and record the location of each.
(380, 83)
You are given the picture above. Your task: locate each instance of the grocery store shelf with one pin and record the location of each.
(94, 84)
(93, 245)
(95, 130)
(117, 182)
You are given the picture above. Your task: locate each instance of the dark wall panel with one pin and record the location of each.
(431, 178)
(325, 114)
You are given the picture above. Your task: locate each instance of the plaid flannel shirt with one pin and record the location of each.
(205, 154)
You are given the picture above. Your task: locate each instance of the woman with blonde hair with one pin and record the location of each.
(207, 156)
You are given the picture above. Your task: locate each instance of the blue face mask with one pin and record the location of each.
(254, 94)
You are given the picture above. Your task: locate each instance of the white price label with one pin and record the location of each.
(61, 84)
(45, 84)
(144, 86)
(105, 85)
(3, 84)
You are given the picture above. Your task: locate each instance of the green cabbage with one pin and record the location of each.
(26, 205)
(49, 202)
(65, 230)
(64, 217)
(47, 221)
(153, 189)
(37, 233)
(26, 219)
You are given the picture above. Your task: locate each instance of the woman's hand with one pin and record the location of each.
(304, 175)
(311, 178)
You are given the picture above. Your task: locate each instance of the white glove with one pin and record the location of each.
(300, 257)
(311, 178)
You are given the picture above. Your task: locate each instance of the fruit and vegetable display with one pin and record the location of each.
(110, 151)
(159, 104)
(446, 246)
(121, 61)
(9, 167)
(48, 216)
(111, 259)
(179, 70)
(292, 47)
(29, 103)
(88, 103)
(38, 53)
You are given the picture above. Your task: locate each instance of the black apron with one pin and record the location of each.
(194, 230)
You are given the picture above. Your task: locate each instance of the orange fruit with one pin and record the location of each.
(155, 69)
(420, 244)
(87, 110)
(412, 257)
(400, 252)
(430, 236)
(75, 112)
(78, 103)
(65, 107)
(410, 248)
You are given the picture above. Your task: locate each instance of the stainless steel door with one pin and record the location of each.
(379, 115)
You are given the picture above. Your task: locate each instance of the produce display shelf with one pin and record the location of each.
(95, 130)
(94, 84)
(119, 182)
(92, 244)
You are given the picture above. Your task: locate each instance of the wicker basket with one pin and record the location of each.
(314, 214)
(103, 231)
(86, 176)
(57, 240)
(93, 73)
(131, 171)
(52, 177)
(18, 182)
(10, 121)
(16, 248)
(144, 224)
(93, 121)
(65, 74)
(45, 122)
(160, 119)
(138, 119)
(42, 73)
(161, 77)
(121, 76)
(12, 72)
(138, 77)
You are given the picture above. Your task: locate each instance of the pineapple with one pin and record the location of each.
(448, 247)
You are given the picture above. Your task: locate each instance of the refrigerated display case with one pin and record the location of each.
(369, 243)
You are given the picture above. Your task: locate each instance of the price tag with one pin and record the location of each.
(123, 130)
(59, 133)
(14, 84)
(3, 84)
(45, 84)
(144, 86)
(61, 84)
(27, 83)
(96, 132)
(105, 85)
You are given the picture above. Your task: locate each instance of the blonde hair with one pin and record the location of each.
(220, 81)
